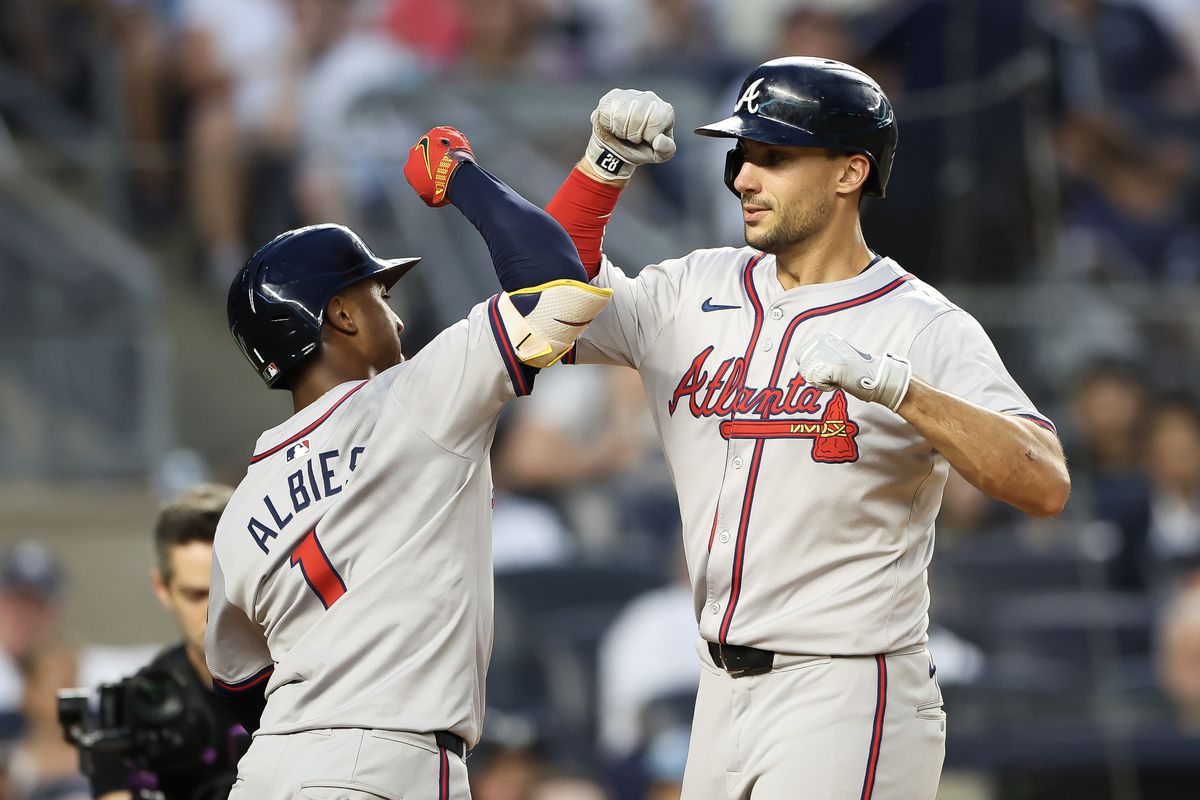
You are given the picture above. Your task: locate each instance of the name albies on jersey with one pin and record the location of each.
(352, 567)
(808, 516)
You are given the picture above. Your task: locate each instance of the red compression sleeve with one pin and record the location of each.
(582, 205)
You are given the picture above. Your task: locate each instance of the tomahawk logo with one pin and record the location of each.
(749, 97)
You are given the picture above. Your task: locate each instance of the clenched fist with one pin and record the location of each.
(630, 127)
(829, 362)
(432, 161)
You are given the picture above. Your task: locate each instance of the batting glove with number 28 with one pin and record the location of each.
(630, 127)
(830, 362)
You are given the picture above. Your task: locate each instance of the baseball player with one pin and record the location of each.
(350, 611)
(811, 397)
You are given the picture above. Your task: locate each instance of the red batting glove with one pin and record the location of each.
(433, 159)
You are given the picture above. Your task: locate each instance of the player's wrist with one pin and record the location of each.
(604, 164)
(891, 382)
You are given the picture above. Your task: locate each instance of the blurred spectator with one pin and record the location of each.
(966, 511)
(1108, 406)
(527, 533)
(508, 762)
(239, 60)
(959, 74)
(31, 587)
(1173, 463)
(44, 766)
(352, 55)
(1131, 212)
(502, 37)
(1109, 409)
(751, 27)
(648, 653)
(566, 786)
(585, 427)
(1127, 141)
(436, 32)
(1179, 657)
(662, 36)
(145, 34)
(53, 43)
(1180, 18)
(663, 763)
(1113, 53)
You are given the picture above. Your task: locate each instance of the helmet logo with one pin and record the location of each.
(749, 97)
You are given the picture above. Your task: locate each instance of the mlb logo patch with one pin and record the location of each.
(270, 370)
(300, 448)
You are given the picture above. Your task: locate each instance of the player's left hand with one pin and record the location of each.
(829, 362)
(433, 159)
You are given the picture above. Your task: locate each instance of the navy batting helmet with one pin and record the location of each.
(812, 102)
(277, 300)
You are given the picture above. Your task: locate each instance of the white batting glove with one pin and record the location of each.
(629, 128)
(830, 362)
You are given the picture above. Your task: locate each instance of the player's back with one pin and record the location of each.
(360, 547)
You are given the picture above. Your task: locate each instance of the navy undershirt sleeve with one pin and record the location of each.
(527, 245)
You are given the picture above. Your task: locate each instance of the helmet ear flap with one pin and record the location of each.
(734, 160)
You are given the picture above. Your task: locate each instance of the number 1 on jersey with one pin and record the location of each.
(318, 572)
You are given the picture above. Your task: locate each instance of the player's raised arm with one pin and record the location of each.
(547, 302)
(629, 128)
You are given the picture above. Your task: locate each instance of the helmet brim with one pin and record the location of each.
(393, 269)
(756, 129)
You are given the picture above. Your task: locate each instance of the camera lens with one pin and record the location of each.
(155, 699)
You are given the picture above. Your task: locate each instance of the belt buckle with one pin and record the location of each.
(737, 671)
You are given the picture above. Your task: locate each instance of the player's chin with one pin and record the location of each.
(758, 238)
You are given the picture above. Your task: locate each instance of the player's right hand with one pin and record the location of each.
(433, 159)
(630, 127)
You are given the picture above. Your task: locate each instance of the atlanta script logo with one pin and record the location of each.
(724, 394)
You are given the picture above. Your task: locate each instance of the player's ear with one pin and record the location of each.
(160, 588)
(854, 172)
(340, 314)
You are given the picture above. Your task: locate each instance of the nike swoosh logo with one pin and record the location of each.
(572, 324)
(865, 356)
(424, 145)
(708, 305)
(932, 670)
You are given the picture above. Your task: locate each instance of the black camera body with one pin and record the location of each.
(156, 723)
(147, 718)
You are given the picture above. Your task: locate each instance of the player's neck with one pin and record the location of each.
(836, 253)
(322, 376)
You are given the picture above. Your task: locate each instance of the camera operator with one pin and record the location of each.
(183, 538)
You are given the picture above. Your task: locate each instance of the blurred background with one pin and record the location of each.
(1046, 180)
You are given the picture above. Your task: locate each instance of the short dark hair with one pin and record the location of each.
(191, 517)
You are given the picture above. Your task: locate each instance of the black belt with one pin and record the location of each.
(451, 742)
(738, 660)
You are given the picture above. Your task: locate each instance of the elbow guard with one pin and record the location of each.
(544, 321)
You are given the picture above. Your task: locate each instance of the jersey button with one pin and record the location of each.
(737, 463)
(715, 608)
(776, 313)
(766, 345)
(724, 536)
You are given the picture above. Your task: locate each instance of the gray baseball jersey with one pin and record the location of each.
(808, 516)
(352, 567)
